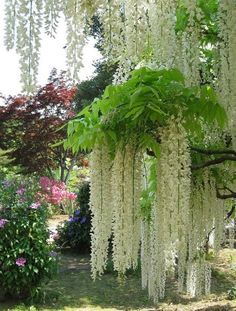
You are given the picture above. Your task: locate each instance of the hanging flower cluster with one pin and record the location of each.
(173, 240)
(24, 22)
(126, 189)
(170, 212)
(227, 77)
(210, 210)
(23, 27)
(52, 15)
(101, 208)
(132, 31)
(115, 196)
(189, 45)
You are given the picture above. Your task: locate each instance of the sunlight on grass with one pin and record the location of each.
(73, 290)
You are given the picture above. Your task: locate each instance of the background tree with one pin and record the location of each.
(31, 125)
(93, 88)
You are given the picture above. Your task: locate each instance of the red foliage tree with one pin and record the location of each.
(31, 125)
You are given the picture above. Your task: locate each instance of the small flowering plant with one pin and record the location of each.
(25, 257)
(56, 193)
(75, 232)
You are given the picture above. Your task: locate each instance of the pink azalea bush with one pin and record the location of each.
(55, 192)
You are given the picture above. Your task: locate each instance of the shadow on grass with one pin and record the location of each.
(73, 289)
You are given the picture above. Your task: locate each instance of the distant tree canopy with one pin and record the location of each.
(30, 125)
(94, 87)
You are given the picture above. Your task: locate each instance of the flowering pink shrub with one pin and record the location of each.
(55, 192)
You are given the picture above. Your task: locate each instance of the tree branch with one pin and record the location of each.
(231, 195)
(213, 162)
(227, 155)
(213, 152)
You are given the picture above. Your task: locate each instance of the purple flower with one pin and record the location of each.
(6, 183)
(77, 212)
(35, 205)
(83, 219)
(20, 191)
(73, 219)
(53, 254)
(20, 262)
(3, 222)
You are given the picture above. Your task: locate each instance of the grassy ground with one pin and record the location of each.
(74, 290)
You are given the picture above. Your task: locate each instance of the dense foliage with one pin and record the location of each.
(75, 232)
(30, 127)
(26, 259)
(93, 88)
(139, 107)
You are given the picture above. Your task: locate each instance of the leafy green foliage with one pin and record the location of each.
(232, 293)
(138, 108)
(26, 259)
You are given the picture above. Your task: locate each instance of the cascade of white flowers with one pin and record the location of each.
(126, 191)
(170, 212)
(162, 31)
(76, 36)
(207, 208)
(132, 30)
(145, 253)
(227, 77)
(51, 15)
(25, 22)
(101, 208)
(189, 60)
(10, 23)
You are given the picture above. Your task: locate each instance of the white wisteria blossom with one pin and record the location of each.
(227, 77)
(101, 208)
(126, 191)
(170, 214)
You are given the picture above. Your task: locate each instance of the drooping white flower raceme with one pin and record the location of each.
(76, 36)
(10, 23)
(126, 191)
(231, 233)
(101, 208)
(206, 219)
(199, 277)
(51, 15)
(29, 17)
(227, 77)
(145, 253)
(162, 33)
(170, 213)
(189, 60)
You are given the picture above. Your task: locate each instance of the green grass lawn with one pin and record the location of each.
(73, 289)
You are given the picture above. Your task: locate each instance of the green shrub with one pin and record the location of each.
(26, 259)
(232, 293)
(75, 232)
